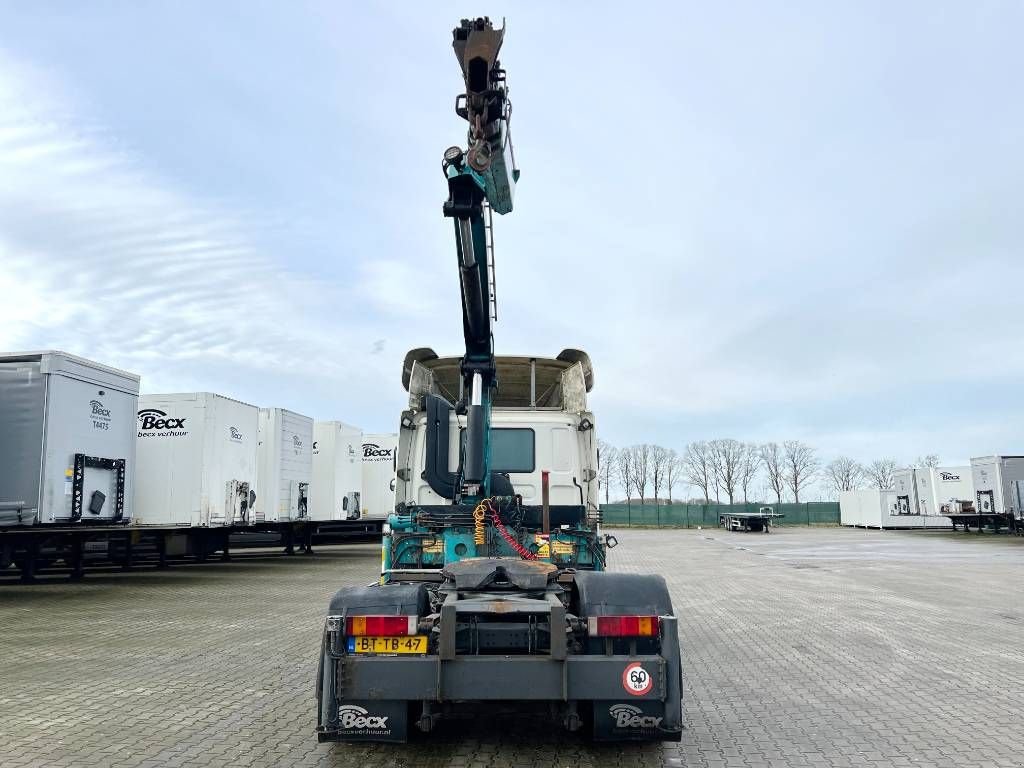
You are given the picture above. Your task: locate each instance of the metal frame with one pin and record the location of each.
(78, 483)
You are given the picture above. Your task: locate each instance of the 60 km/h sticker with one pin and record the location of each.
(636, 680)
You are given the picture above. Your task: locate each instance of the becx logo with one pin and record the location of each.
(628, 716)
(948, 476)
(99, 410)
(235, 434)
(350, 716)
(374, 451)
(151, 418)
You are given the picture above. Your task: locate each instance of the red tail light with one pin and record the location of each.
(623, 626)
(384, 626)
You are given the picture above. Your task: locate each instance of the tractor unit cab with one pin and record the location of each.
(543, 464)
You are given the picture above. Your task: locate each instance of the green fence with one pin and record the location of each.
(707, 515)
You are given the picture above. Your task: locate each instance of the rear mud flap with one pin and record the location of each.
(368, 721)
(632, 721)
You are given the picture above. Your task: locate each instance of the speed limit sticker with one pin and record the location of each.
(636, 680)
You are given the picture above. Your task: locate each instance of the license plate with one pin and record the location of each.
(387, 645)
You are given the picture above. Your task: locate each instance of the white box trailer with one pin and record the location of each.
(196, 460)
(67, 440)
(378, 495)
(917, 492)
(904, 483)
(999, 485)
(284, 466)
(939, 486)
(337, 471)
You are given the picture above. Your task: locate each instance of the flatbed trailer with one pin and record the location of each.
(749, 521)
(995, 521)
(71, 548)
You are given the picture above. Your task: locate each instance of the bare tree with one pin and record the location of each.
(673, 472)
(880, 472)
(844, 474)
(606, 462)
(696, 467)
(640, 462)
(772, 458)
(624, 471)
(659, 469)
(725, 463)
(801, 465)
(750, 462)
(928, 460)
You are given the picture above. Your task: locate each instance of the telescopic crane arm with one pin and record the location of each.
(481, 178)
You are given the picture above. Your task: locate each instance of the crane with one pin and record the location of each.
(493, 582)
(481, 178)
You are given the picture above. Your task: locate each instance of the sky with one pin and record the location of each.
(763, 221)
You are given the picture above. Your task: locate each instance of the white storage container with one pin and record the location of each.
(67, 440)
(337, 471)
(285, 466)
(869, 508)
(196, 460)
(878, 509)
(378, 495)
(999, 485)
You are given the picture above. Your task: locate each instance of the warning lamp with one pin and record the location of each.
(381, 626)
(623, 626)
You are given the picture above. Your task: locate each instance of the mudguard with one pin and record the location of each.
(383, 599)
(364, 720)
(604, 593)
(623, 594)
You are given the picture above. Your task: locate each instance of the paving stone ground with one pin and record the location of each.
(806, 647)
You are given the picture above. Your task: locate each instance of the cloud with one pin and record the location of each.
(106, 259)
(789, 236)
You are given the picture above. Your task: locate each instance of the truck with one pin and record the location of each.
(494, 584)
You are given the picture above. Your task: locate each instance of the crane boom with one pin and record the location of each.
(481, 177)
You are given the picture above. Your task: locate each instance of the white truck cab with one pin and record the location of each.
(539, 423)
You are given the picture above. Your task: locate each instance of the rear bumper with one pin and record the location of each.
(496, 678)
(635, 697)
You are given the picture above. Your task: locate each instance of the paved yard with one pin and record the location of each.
(802, 648)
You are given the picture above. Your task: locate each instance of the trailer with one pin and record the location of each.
(378, 475)
(917, 496)
(284, 465)
(940, 486)
(196, 460)
(67, 443)
(66, 550)
(337, 472)
(999, 487)
(760, 521)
